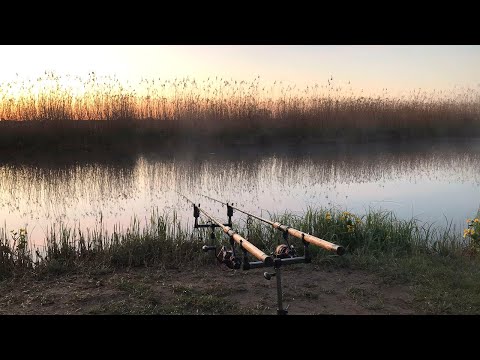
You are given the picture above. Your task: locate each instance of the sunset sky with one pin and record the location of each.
(398, 68)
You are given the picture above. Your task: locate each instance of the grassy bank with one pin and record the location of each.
(440, 267)
(102, 113)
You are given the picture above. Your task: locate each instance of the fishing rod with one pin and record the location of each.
(283, 255)
(338, 249)
(244, 243)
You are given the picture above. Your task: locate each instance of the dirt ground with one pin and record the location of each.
(307, 289)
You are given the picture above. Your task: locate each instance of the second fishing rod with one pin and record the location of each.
(338, 249)
(244, 244)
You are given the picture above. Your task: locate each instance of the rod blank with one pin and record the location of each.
(338, 249)
(244, 243)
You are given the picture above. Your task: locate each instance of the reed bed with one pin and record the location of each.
(164, 242)
(36, 109)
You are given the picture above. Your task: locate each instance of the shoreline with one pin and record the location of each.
(88, 137)
(391, 267)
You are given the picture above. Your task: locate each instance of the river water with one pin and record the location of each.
(436, 182)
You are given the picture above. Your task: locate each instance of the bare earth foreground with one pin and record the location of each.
(307, 289)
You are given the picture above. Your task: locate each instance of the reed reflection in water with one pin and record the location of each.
(430, 182)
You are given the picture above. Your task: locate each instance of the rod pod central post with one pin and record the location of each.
(277, 263)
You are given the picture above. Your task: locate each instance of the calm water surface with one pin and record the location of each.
(433, 182)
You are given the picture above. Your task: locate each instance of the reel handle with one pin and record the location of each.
(268, 275)
(206, 248)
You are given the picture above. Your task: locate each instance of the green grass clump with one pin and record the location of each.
(15, 255)
(162, 242)
(373, 234)
(165, 242)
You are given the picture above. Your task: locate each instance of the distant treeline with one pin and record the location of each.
(104, 114)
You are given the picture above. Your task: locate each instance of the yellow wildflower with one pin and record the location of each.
(350, 228)
(328, 216)
(476, 220)
(468, 232)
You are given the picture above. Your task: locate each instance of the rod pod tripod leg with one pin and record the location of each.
(278, 274)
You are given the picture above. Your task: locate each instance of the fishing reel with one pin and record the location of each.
(228, 258)
(284, 251)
